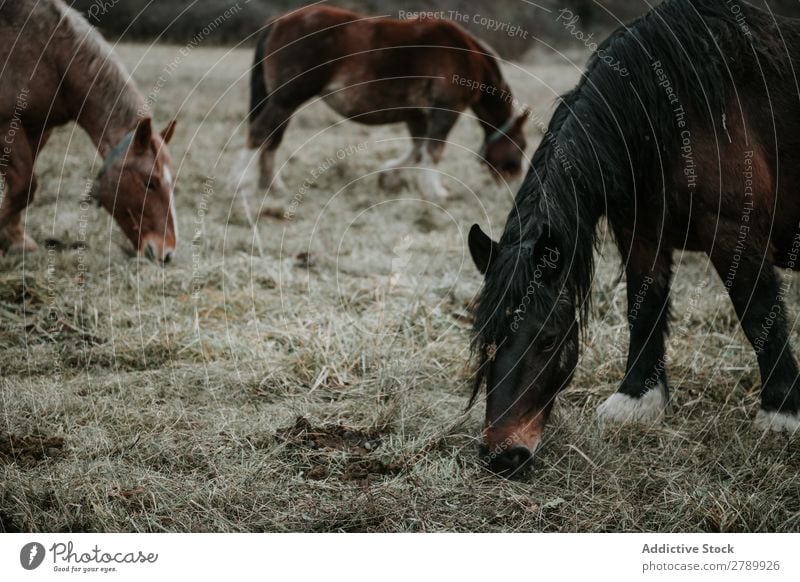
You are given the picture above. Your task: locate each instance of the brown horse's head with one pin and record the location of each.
(135, 186)
(527, 352)
(503, 149)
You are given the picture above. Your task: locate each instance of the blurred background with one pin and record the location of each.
(178, 21)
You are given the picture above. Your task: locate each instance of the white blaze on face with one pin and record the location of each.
(168, 180)
(168, 177)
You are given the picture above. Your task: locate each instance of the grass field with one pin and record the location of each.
(311, 373)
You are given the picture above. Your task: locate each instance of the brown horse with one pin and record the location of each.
(56, 68)
(421, 72)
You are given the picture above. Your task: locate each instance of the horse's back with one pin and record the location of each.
(25, 26)
(355, 61)
(34, 34)
(359, 31)
(53, 58)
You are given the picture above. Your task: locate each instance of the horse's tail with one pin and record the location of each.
(259, 93)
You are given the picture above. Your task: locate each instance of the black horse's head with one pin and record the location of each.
(526, 338)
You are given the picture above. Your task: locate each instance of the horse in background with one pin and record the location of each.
(374, 70)
(57, 69)
(685, 152)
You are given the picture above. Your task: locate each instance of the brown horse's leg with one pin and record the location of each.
(266, 172)
(757, 296)
(269, 124)
(14, 240)
(643, 394)
(441, 121)
(266, 134)
(20, 187)
(391, 176)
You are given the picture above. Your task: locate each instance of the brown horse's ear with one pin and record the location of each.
(482, 248)
(143, 135)
(523, 117)
(166, 133)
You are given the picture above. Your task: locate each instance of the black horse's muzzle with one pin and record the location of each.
(509, 463)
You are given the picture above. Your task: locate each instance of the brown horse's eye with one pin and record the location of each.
(153, 184)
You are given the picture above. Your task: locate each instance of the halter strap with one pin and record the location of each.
(115, 153)
(503, 130)
(498, 133)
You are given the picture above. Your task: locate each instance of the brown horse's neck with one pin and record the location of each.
(107, 114)
(101, 96)
(495, 108)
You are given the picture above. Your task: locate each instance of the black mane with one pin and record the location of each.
(615, 134)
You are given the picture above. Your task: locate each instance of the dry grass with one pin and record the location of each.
(303, 388)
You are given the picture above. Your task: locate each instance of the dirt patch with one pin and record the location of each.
(8, 525)
(273, 212)
(331, 436)
(306, 260)
(363, 469)
(18, 295)
(28, 450)
(320, 444)
(60, 246)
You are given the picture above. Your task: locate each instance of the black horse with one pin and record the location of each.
(695, 146)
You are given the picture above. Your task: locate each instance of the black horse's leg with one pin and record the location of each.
(643, 394)
(757, 296)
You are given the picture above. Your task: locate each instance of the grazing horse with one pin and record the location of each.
(693, 144)
(56, 69)
(420, 72)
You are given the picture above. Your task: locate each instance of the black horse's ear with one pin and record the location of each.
(482, 248)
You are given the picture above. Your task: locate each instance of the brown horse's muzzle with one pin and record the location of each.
(158, 248)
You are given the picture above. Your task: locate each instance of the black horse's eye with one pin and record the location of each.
(547, 343)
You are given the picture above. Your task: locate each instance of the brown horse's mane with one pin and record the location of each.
(109, 81)
(491, 56)
(495, 110)
(99, 90)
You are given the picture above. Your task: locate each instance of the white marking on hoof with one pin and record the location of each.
(244, 173)
(278, 187)
(431, 180)
(777, 421)
(621, 408)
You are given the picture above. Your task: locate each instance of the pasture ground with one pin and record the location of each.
(311, 374)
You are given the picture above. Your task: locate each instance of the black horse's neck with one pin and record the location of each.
(560, 203)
